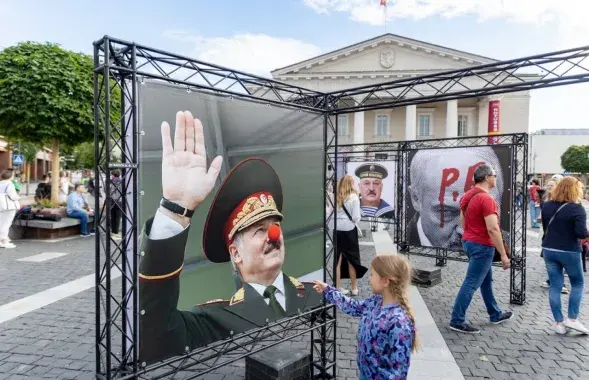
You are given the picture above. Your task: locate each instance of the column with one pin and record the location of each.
(358, 125)
(483, 109)
(452, 118)
(411, 123)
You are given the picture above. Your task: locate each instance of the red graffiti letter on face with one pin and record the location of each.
(449, 176)
(470, 176)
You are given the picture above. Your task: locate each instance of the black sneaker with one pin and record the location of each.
(504, 317)
(466, 328)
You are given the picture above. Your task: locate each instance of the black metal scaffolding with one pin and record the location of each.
(118, 67)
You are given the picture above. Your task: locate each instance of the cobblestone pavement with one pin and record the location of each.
(57, 341)
(523, 348)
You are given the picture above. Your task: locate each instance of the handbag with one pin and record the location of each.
(549, 223)
(351, 220)
(497, 254)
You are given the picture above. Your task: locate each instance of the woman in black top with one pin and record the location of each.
(565, 222)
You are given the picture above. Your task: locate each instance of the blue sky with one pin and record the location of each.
(260, 35)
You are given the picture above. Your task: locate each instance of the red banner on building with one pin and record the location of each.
(494, 116)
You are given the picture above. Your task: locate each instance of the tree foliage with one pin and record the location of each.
(84, 155)
(29, 150)
(46, 93)
(576, 159)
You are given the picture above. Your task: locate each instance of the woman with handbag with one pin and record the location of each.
(8, 207)
(348, 250)
(565, 223)
(546, 196)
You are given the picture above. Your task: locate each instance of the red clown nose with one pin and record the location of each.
(274, 232)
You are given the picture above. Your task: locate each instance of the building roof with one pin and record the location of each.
(563, 131)
(388, 37)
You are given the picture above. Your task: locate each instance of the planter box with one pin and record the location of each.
(53, 211)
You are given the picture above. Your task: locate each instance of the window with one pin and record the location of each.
(343, 128)
(462, 125)
(423, 125)
(382, 125)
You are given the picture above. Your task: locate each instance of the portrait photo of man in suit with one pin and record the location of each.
(243, 226)
(437, 180)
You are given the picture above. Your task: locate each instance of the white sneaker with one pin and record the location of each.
(7, 245)
(545, 285)
(564, 290)
(343, 291)
(355, 292)
(560, 329)
(577, 326)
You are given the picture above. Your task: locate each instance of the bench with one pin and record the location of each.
(45, 229)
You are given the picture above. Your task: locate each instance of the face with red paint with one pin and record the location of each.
(438, 181)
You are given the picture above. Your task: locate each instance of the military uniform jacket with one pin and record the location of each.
(166, 331)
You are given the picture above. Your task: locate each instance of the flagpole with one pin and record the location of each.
(385, 16)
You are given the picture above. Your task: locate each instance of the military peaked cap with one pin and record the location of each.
(371, 170)
(251, 192)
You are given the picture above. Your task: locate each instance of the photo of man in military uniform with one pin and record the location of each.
(242, 226)
(371, 176)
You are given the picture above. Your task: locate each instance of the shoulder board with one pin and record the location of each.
(212, 301)
(237, 297)
(296, 283)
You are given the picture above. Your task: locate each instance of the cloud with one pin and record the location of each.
(253, 53)
(570, 16)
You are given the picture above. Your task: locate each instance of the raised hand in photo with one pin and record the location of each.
(185, 178)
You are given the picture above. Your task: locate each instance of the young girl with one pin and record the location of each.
(386, 332)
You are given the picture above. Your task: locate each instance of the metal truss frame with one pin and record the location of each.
(518, 219)
(120, 65)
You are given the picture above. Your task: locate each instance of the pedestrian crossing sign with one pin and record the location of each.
(18, 159)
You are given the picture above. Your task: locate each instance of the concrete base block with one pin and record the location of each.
(282, 362)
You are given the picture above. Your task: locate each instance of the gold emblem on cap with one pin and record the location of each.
(253, 207)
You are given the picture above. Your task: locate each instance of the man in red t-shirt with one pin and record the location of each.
(479, 217)
(534, 203)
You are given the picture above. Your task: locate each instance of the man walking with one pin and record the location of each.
(479, 217)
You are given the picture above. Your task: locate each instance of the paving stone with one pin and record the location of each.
(57, 341)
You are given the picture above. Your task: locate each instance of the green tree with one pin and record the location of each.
(576, 159)
(84, 155)
(46, 96)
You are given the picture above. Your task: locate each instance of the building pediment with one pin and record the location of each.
(387, 54)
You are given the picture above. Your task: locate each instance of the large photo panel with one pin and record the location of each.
(437, 179)
(376, 181)
(279, 148)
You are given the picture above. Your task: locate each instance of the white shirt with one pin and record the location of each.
(352, 204)
(279, 284)
(164, 227)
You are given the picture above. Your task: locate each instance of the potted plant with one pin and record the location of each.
(46, 207)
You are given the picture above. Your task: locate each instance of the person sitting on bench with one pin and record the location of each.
(78, 208)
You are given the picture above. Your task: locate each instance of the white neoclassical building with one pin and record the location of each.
(390, 57)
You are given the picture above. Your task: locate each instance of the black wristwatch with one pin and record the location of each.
(176, 208)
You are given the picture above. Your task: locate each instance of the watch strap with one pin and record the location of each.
(176, 208)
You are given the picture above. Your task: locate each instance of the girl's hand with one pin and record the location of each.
(319, 286)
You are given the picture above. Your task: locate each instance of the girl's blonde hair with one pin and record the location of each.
(569, 190)
(398, 271)
(345, 187)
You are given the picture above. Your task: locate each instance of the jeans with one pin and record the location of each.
(556, 261)
(534, 214)
(478, 275)
(83, 220)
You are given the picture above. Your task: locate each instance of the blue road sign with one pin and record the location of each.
(18, 159)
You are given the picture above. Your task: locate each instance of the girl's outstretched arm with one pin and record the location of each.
(348, 305)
